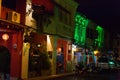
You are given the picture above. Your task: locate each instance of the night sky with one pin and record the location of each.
(105, 13)
(9, 4)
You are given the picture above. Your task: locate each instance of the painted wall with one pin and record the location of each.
(25, 58)
(42, 39)
(17, 42)
(67, 7)
(20, 8)
(14, 44)
(4, 10)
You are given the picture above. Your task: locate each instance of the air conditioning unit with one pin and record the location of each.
(13, 16)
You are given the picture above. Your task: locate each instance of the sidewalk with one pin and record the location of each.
(50, 76)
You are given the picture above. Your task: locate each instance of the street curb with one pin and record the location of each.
(50, 77)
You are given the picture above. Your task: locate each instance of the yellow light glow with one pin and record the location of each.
(38, 45)
(59, 49)
(5, 37)
(49, 44)
(96, 52)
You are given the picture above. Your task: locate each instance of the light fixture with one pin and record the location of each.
(59, 49)
(39, 45)
(5, 37)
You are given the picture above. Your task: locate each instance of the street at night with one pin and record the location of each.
(56, 39)
(104, 75)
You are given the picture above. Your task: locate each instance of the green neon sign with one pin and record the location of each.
(99, 40)
(81, 23)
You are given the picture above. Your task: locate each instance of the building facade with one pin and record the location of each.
(88, 37)
(47, 26)
(11, 32)
(51, 25)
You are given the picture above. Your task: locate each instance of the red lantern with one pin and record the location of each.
(5, 37)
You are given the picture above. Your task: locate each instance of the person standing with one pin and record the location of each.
(4, 63)
(60, 61)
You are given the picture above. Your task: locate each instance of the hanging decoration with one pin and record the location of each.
(5, 37)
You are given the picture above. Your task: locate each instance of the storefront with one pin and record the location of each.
(82, 55)
(77, 55)
(12, 38)
(35, 56)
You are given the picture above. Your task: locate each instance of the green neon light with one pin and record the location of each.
(81, 23)
(100, 38)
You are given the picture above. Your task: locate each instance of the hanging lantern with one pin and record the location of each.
(5, 37)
